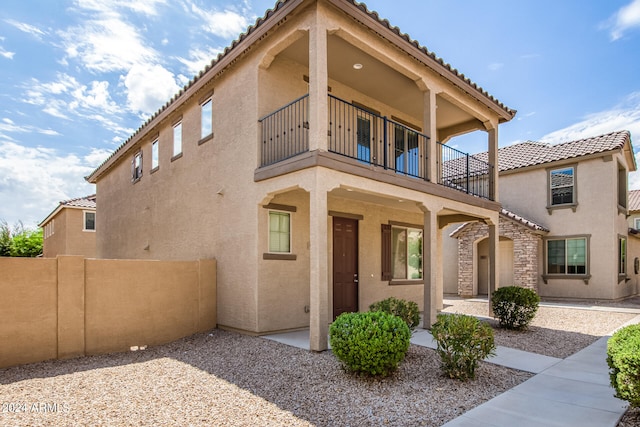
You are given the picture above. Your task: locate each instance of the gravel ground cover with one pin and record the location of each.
(554, 331)
(225, 379)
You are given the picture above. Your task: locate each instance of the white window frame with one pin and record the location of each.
(636, 223)
(177, 139)
(84, 221)
(269, 212)
(155, 156)
(206, 117)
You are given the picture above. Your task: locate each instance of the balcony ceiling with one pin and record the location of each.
(376, 80)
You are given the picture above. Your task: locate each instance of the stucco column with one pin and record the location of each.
(430, 129)
(430, 268)
(494, 261)
(318, 283)
(318, 83)
(493, 159)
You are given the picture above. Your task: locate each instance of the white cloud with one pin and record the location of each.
(199, 59)
(148, 87)
(626, 18)
(26, 28)
(107, 44)
(66, 97)
(495, 66)
(626, 115)
(8, 126)
(225, 24)
(34, 180)
(6, 53)
(145, 7)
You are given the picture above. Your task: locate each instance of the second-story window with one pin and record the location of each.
(177, 139)
(154, 155)
(562, 186)
(136, 167)
(206, 119)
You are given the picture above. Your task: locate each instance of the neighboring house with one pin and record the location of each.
(70, 229)
(308, 160)
(563, 230)
(634, 209)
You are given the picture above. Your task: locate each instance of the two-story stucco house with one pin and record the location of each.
(70, 229)
(563, 230)
(308, 159)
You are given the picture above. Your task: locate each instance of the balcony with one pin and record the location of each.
(371, 139)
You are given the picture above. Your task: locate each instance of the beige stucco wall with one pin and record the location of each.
(71, 306)
(597, 215)
(206, 203)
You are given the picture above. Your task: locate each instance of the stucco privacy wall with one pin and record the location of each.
(71, 306)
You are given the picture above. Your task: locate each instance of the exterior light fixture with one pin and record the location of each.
(357, 66)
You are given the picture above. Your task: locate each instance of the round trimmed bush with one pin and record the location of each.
(623, 357)
(514, 307)
(374, 342)
(462, 342)
(406, 310)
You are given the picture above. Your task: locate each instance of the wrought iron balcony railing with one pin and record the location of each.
(372, 139)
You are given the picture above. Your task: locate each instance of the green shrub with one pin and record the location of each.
(623, 357)
(406, 310)
(514, 307)
(462, 341)
(374, 342)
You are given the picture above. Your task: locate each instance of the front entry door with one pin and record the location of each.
(345, 265)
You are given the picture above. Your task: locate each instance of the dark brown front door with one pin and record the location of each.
(345, 265)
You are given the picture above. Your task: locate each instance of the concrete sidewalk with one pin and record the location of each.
(573, 392)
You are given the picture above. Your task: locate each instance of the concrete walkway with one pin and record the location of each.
(564, 392)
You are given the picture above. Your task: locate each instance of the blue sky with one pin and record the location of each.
(77, 77)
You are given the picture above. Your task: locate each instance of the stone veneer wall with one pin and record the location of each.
(526, 245)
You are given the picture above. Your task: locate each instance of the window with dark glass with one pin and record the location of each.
(567, 256)
(562, 185)
(406, 150)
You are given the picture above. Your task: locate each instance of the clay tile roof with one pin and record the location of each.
(81, 202)
(510, 215)
(634, 200)
(536, 153)
(524, 221)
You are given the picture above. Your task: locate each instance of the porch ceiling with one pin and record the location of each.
(376, 79)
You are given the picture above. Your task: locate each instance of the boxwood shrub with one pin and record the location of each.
(406, 310)
(462, 342)
(623, 358)
(372, 343)
(514, 307)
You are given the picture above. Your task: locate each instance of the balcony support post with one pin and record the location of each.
(493, 161)
(318, 82)
(430, 130)
(431, 247)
